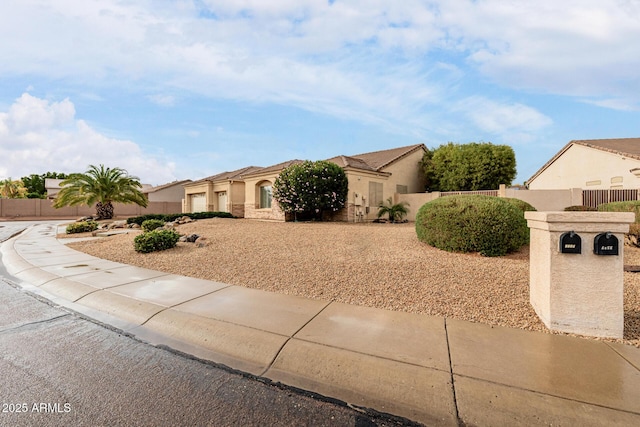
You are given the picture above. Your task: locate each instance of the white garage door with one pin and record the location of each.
(198, 202)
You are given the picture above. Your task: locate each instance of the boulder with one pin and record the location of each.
(201, 242)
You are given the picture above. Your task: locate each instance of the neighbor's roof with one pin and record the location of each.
(274, 168)
(237, 174)
(167, 185)
(628, 147)
(376, 160)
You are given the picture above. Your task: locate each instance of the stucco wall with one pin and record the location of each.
(41, 208)
(174, 193)
(587, 168)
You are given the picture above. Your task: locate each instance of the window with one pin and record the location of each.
(265, 196)
(402, 189)
(375, 193)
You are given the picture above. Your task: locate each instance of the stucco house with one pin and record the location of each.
(594, 164)
(373, 177)
(378, 175)
(224, 192)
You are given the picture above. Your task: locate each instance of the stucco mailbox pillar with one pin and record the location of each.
(576, 270)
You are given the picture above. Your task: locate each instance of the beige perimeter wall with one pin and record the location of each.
(42, 208)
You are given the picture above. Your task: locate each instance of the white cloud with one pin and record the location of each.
(502, 118)
(162, 100)
(38, 136)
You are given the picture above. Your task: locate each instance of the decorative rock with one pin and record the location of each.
(192, 238)
(201, 242)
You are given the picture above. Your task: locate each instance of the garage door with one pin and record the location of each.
(198, 202)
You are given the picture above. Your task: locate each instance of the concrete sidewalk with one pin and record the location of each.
(428, 369)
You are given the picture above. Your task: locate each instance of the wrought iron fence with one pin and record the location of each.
(594, 198)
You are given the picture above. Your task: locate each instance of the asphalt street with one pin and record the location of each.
(60, 369)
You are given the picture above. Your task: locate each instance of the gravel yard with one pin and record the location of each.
(376, 265)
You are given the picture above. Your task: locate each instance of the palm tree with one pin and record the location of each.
(395, 212)
(12, 189)
(102, 186)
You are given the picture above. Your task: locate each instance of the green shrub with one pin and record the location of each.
(152, 224)
(580, 208)
(630, 206)
(488, 225)
(520, 204)
(82, 227)
(156, 240)
(172, 217)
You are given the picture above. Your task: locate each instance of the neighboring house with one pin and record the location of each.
(376, 176)
(224, 192)
(258, 193)
(170, 192)
(591, 164)
(373, 178)
(52, 187)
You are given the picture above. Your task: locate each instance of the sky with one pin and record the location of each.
(184, 89)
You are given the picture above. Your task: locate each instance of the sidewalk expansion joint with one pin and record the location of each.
(622, 355)
(453, 384)
(176, 305)
(270, 364)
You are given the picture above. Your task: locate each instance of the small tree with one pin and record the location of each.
(468, 167)
(102, 186)
(395, 211)
(12, 189)
(311, 188)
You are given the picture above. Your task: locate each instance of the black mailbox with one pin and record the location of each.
(570, 243)
(605, 244)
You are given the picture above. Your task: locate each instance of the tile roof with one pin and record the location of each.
(376, 160)
(163, 186)
(628, 147)
(274, 168)
(237, 174)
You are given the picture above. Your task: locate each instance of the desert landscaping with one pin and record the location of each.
(375, 265)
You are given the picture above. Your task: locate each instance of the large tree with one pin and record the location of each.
(102, 186)
(469, 167)
(35, 184)
(311, 188)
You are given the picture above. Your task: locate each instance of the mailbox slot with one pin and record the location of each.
(570, 243)
(605, 244)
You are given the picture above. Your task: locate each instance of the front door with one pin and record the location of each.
(222, 201)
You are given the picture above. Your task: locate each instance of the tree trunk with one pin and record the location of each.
(104, 210)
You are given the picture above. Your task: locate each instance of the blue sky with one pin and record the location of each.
(184, 89)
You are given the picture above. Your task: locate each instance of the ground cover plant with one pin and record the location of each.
(488, 225)
(156, 240)
(82, 227)
(152, 224)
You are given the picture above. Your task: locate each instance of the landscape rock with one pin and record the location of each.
(201, 242)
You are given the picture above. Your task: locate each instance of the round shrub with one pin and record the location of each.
(485, 224)
(82, 227)
(629, 206)
(152, 224)
(520, 204)
(579, 208)
(156, 240)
